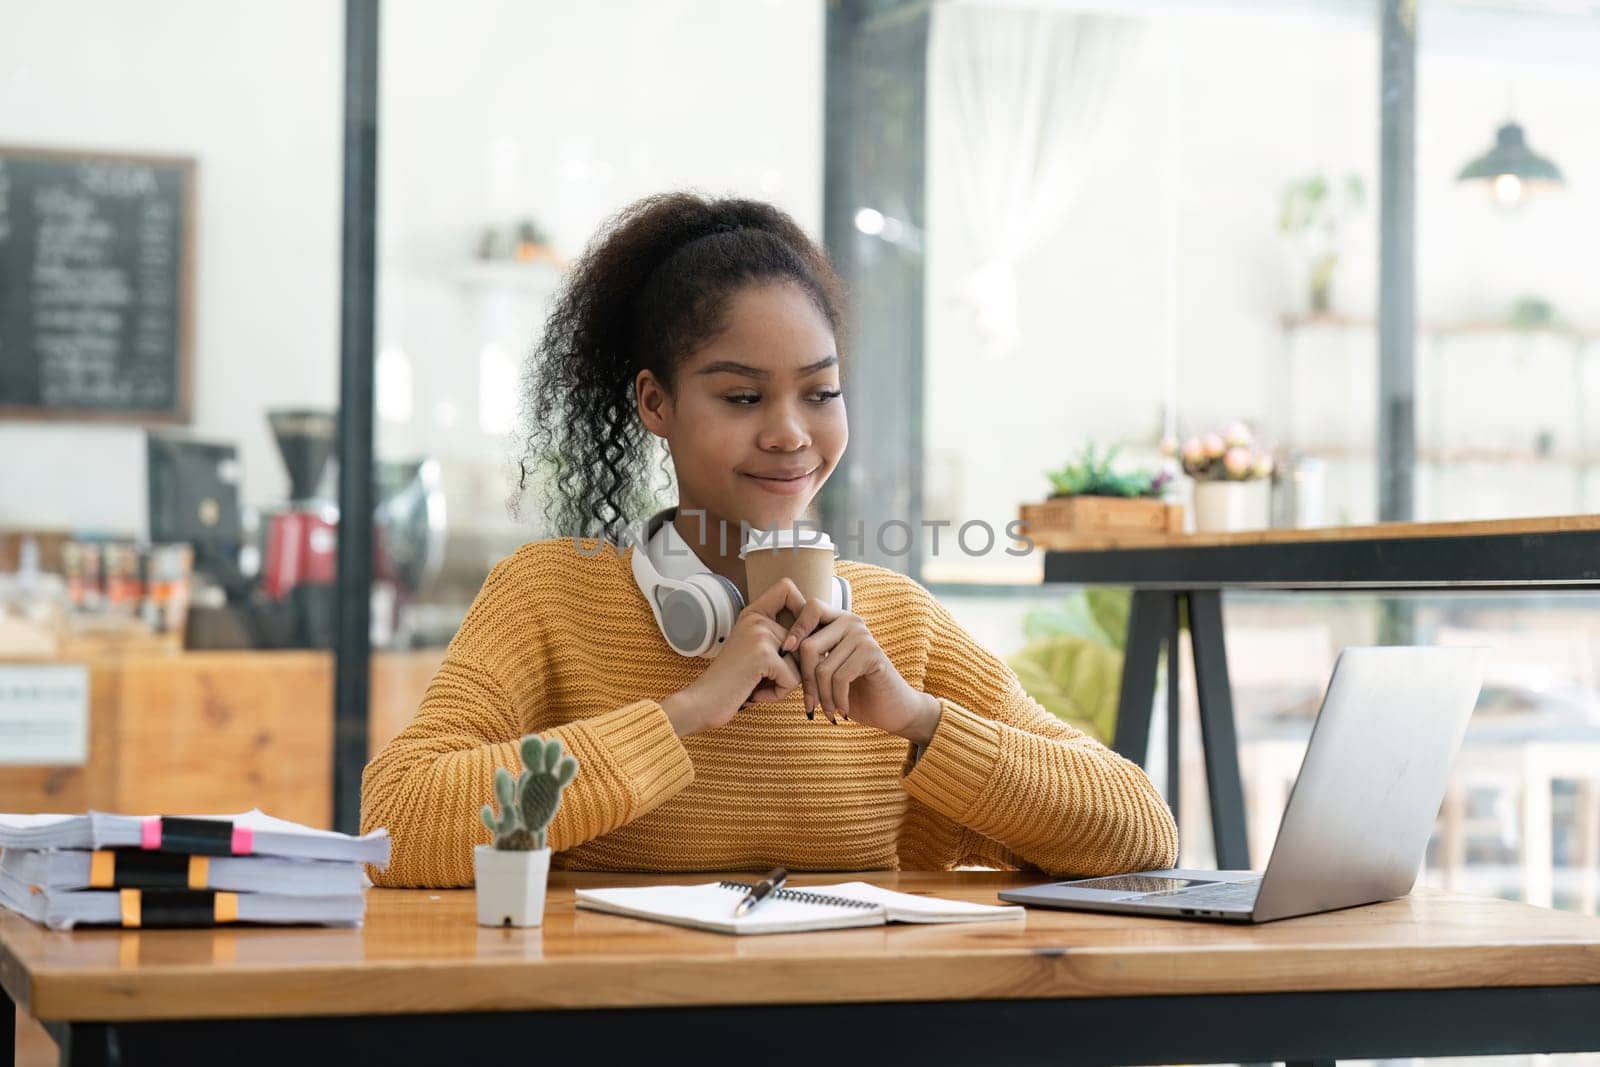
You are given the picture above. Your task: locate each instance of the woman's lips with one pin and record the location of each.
(783, 486)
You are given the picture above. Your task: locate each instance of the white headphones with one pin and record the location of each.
(696, 613)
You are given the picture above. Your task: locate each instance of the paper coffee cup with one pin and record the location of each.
(805, 557)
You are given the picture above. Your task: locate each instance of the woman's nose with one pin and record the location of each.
(784, 431)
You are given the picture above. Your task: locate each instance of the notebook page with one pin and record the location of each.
(261, 822)
(33, 822)
(42, 831)
(710, 907)
(100, 829)
(255, 820)
(910, 908)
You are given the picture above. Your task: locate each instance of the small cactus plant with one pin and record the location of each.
(529, 802)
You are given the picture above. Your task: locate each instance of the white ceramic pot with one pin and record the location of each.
(510, 885)
(1223, 506)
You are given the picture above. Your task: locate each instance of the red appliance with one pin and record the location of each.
(302, 537)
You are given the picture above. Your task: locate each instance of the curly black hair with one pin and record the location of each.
(651, 288)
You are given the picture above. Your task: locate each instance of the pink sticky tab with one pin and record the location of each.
(244, 841)
(150, 833)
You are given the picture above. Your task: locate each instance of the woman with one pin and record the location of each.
(712, 325)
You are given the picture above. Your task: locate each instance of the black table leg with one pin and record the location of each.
(100, 1045)
(1147, 621)
(8, 1030)
(1217, 733)
(1174, 774)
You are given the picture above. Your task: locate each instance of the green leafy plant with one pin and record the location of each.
(1093, 475)
(1314, 209)
(530, 232)
(1098, 613)
(1076, 680)
(1072, 663)
(1533, 313)
(529, 802)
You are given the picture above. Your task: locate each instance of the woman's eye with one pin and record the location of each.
(751, 398)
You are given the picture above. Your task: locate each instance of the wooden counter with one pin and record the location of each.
(215, 732)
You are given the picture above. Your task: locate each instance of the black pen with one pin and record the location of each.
(762, 889)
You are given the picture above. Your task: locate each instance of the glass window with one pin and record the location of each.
(510, 131)
(1151, 221)
(1108, 264)
(169, 342)
(1507, 154)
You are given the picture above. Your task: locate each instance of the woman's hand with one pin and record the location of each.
(843, 670)
(749, 667)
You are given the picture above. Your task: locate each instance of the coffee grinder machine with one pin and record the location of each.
(302, 537)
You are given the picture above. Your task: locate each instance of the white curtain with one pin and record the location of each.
(1026, 91)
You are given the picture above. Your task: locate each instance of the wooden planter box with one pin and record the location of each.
(1074, 521)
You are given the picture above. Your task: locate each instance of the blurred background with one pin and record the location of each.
(1065, 224)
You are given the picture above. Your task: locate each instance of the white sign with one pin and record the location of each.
(44, 714)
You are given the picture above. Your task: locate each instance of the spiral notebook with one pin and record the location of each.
(829, 907)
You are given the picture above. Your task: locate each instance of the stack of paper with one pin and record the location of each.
(145, 871)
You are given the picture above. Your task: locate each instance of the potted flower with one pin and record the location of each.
(1230, 472)
(1091, 499)
(511, 873)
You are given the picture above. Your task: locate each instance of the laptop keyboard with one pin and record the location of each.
(1217, 894)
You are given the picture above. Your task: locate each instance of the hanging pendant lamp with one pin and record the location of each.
(1511, 169)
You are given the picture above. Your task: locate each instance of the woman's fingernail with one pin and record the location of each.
(789, 643)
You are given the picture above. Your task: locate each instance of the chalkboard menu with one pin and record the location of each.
(96, 261)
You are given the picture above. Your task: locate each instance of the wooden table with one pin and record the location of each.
(1512, 555)
(1433, 974)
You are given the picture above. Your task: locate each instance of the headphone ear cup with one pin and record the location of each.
(688, 621)
(724, 601)
(735, 598)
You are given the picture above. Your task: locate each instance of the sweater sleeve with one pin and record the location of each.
(1033, 789)
(429, 783)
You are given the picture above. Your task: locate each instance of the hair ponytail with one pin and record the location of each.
(651, 288)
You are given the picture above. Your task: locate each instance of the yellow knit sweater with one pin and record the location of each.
(560, 642)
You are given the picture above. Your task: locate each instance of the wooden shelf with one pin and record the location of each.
(1340, 321)
(510, 275)
(976, 573)
(1453, 455)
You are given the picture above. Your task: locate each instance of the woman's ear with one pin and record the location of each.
(654, 404)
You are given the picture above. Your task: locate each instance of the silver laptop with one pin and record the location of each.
(1358, 820)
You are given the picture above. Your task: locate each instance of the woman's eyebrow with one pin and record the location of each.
(728, 366)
